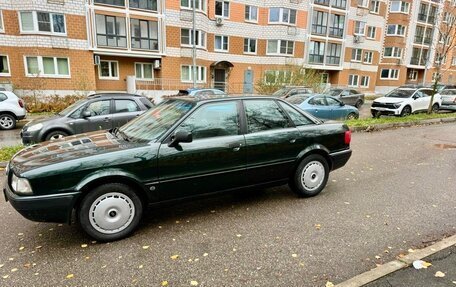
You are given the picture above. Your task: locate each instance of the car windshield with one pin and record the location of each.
(335, 92)
(400, 93)
(70, 108)
(296, 99)
(152, 124)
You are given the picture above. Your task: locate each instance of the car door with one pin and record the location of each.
(100, 116)
(213, 161)
(426, 98)
(124, 111)
(318, 107)
(335, 111)
(271, 139)
(421, 101)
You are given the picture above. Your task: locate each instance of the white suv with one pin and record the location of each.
(405, 101)
(12, 109)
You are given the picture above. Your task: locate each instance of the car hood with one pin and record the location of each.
(68, 148)
(390, 100)
(42, 120)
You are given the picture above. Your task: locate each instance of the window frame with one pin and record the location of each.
(370, 58)
(393, 52)
(2, 23)
(250, 13)
(110, 70)
(351, 82)
(248, 44)
(390, 74)
(224, 15)
(41, 67)
(358, 28)
(370, 30)
(117, 36)
(189, 7)
(281, 13)
(144, 9)
(402, 4)
(396, 30)
(279, 45)
(358, 53)
(36, 25)
(222, 42)
(376, 6)
(112, 5)
(290, 123)
(200, 40)
(8, 66)
(364, 81)
(141, 38)
(142, 71)
(190, 80)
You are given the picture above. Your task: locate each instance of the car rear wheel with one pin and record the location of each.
(352, 116)
(406, 111)
(110, 212)
(55, 135)
(358, 104)
(435, 108)
(7, 122)
(311, 176)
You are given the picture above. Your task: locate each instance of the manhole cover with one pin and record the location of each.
(445, 146)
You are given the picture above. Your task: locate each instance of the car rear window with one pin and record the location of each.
(3, 97)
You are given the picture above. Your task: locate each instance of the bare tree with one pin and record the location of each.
(444, 47)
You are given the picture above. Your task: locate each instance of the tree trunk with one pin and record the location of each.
(434, 89)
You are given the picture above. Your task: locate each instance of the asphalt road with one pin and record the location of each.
(397, 192)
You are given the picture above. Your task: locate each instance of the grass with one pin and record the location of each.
(392, 119)
(6, 153)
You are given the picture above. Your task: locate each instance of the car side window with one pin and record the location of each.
(125, 106)
(345, 93)
(419, 94)
(353, 92)
(332, 102)
(317, 101)
(426, 93)
(213, 120)
(99, 108)
(3, 97)
(263, 115)
(297, 118)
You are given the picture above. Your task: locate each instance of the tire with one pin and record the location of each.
(7, 122)
(311, 176)
(110, 212)
(435, 108)
(352, 116)
(358, 104)
(376, 114)
(406, 111)
(55, 135)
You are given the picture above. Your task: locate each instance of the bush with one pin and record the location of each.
(49, 104)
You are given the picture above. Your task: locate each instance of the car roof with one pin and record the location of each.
(216, 98)
(109, 95)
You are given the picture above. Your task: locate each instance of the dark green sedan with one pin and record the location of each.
(182, 148)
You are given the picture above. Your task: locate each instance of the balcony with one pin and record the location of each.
(336, 32)
(418, 39)
(316, 59)
(417, 61)
(319, 29)
(322, 2)
(333, 60)
(422, 17)
(339, 4)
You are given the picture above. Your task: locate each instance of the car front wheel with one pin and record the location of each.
(311, 176)
(110, 212)
(7, 122)
(55, 135)
(435, 108)
(406, 111)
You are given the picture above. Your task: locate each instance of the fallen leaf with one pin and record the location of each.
(1, 265)
(69, 276)
(346, 202)
(318, 226)
(27, 265)
(174, 257)
(377, 257)
(294, 255)
(238, 235)
(36, 274)
(177, 221)
(205, 254)
(5, 276)
(193, 283)
(20, 234)
(14, 270)
(439, 274)
(329, 284)
(21, 248)
(140, 267)
(38, 247)
(145, 247)
(83, 245)
(164, 283)
(411, 250)
(104, 266)
(87, 258)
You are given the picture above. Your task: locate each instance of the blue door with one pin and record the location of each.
(248, 82)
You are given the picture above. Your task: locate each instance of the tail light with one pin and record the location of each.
(21, 103)
(348, 137)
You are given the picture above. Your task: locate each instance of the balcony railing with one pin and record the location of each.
(332, 60)
(322, 2)
(319, 29)
(336, 32)
(422, 17)
(418, 39)
(341, 4)
(316, 58)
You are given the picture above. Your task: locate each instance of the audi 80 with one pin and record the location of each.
(185, 147)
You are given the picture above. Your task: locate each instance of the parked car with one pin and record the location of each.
(405, 101)
(97, 112)
(324, 107)
(180, 149)
(443, 87)
(201, 92)
(12, 109)
(448, 99)
(286, 92)
(348, 96)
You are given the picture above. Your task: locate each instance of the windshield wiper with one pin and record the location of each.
(123, 136)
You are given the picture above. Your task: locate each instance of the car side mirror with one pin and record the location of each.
(86, 114)
(415, 97)
(180, 137)
(342, 104)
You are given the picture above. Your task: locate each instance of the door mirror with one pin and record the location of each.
(86, 114)
(180, 137)
(342, 104)
(415, 97)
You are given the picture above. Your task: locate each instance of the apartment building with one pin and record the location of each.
(63, 46)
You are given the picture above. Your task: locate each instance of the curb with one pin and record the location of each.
(380, 127)
(398, 264)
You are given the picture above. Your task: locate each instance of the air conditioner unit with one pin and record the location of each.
(356, 39)
(219, 21)
(157, 64)
(96, 60)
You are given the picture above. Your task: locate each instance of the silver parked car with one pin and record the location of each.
(12, 109)
(448, 99)
(348, 96)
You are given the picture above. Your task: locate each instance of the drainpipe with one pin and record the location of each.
(194, 71)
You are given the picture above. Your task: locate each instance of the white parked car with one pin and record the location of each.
(448, 99)
(405, 101)
(12, 109)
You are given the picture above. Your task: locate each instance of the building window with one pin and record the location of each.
(111, 2)
(52, 67)
(399, 7)
(250, 46)
(188, 4)
(42, 22)
(374, 7)
(280, 47)
(413, 75)
(108, 70)
(371, 32)
(111, 31)
(356, 55)
(187, 38)
(392, 52)
(363, 3)
(319, 22)
(279, 76)
(2, 29)
(364, 81)
(368, 56)
(187, 74)
(316, 52)
(282, 16)
(144, 4)
(144, 34)
(395, 30)
(360, 28)
(333, 56)
(221, 43)
(389, 74)
(337, 25)
(353, 80)
(341, 4)
(144, 71)
(222, 8)
(251, 13)
(4, 66)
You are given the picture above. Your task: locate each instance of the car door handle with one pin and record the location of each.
(235, 146)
